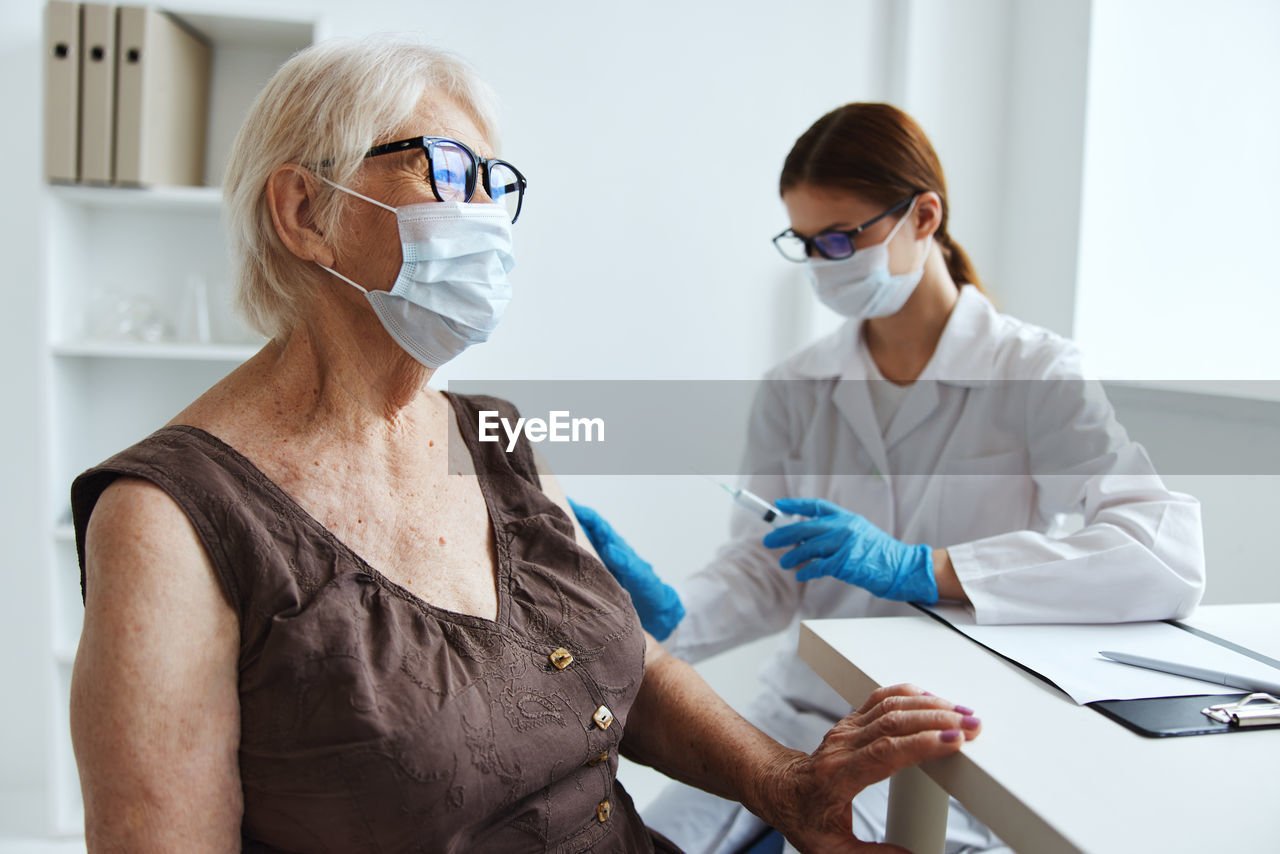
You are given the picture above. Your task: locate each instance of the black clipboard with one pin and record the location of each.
(1163, 717)
(1158, 717)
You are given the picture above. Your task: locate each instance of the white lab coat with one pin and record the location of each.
(998, 438)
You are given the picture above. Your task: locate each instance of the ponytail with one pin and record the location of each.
(957, 260)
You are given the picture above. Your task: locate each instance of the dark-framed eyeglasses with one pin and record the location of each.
(834, 245)
(452, 169)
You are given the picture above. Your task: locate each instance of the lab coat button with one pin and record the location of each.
(561, 658)
(603, 717)
(602, 811)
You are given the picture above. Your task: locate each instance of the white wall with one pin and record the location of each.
(1177, 225)
(1180, 218)
(1035, 271)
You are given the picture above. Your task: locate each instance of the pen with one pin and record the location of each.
(1246, 683)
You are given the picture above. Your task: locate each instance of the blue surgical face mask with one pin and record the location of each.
(452, 287)
(861, 285)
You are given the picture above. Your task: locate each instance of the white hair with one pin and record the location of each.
(324, 108)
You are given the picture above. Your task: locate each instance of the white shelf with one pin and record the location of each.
(269, 34)
(42, 846)
(141, 198)
(169, 350)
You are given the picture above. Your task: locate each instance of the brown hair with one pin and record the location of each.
(879, 153)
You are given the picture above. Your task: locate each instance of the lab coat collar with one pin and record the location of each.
(966, 352)
(965, 356)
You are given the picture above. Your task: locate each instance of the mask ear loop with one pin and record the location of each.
(362, 290)
(350, 192)
(911, 207)
(905, 216)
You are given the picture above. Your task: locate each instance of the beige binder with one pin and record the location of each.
(162, 99)
(97, 92)
(61, 90)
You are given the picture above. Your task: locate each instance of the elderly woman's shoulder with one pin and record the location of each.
(139, 539)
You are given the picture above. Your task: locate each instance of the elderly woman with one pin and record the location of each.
(304, 631)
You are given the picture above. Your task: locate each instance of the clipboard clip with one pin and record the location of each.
(1250, 710)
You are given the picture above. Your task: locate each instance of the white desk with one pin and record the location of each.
(1049, 776)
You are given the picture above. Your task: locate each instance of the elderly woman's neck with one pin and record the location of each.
(329, 369)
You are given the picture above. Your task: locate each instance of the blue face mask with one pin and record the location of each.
(452, 287)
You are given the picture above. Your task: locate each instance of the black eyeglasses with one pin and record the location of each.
(452, 169)
(833, 245)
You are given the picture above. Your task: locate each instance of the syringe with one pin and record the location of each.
(750, 501)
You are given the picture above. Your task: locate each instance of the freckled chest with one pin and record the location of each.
(422, 528)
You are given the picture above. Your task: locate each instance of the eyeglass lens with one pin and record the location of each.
(504, 186)
(829, 244)
(834, 244)
(453, 171)
(791, 246)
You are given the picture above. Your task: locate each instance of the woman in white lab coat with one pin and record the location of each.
(928, 419)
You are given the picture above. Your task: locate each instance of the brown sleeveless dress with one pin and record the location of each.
(373, 721)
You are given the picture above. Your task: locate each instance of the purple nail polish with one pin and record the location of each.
(926, 693)
(964, 710)
(970, 722)
(950, 735)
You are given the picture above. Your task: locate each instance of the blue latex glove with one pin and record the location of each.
(840, 543)
(656, 602)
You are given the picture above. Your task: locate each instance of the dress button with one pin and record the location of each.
(603, 717)
(561, 658)
(598, 760)
(602, 811)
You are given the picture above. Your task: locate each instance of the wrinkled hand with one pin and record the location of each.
(840, 543)
(656, 602)
(897, 727)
